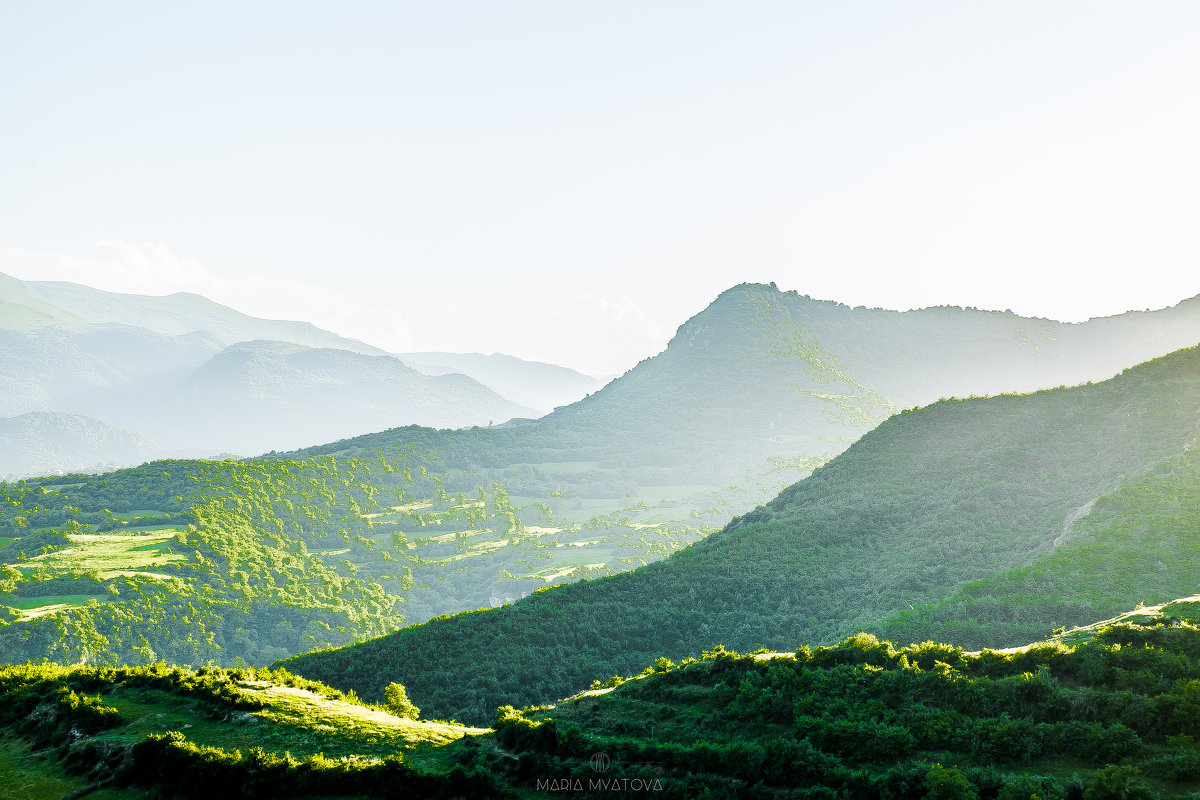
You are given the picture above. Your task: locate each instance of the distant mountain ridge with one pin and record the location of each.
(541, 386)
(43, 442)
(188, 374)
(73, 306)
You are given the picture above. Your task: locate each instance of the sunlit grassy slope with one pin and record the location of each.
(70, 727)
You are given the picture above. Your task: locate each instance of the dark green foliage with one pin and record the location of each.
(179, 768)
(1138, 544)
(929, 500)
(865, 718)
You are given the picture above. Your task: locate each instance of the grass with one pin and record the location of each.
(5, 542)
(35, 776)
(293, 721)
(450, 538)
(1186, 609)
(140, 513)
(113, 554)
(34, 607)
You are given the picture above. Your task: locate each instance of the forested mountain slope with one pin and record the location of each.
(929, 500)
(1136, 544)
(197, 561)
(243, 562)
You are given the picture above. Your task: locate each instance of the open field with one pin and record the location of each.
(113, 554)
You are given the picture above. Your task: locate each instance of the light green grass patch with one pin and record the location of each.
(28, 614)
(294, 720)
(150, 527)
(450, 538)
(5, 542)
(24, 603)
(113, 554)
(395, 513)
(141, 513)
(355, 724)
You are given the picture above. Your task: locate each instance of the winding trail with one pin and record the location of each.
(1072, 518)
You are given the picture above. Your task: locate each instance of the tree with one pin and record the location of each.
(397, 702)
(948, 783)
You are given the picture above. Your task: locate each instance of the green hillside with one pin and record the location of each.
(1111, 716)
(1138, 544)
(192, 562)
(246, 562)
(930, 500)
(1108, 711)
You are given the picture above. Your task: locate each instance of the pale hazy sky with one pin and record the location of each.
(569, 181)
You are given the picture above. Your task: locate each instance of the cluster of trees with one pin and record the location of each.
(867, 719)
(253, 586)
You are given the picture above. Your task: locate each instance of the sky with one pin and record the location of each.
(570, 182)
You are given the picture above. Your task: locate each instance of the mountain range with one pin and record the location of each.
(192, 377)
(537, 385)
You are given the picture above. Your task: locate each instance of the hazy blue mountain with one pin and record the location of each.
(72, 305)
(540, 386)
(176, 369)
(258, 396)
(42, 442)
(58, 369)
